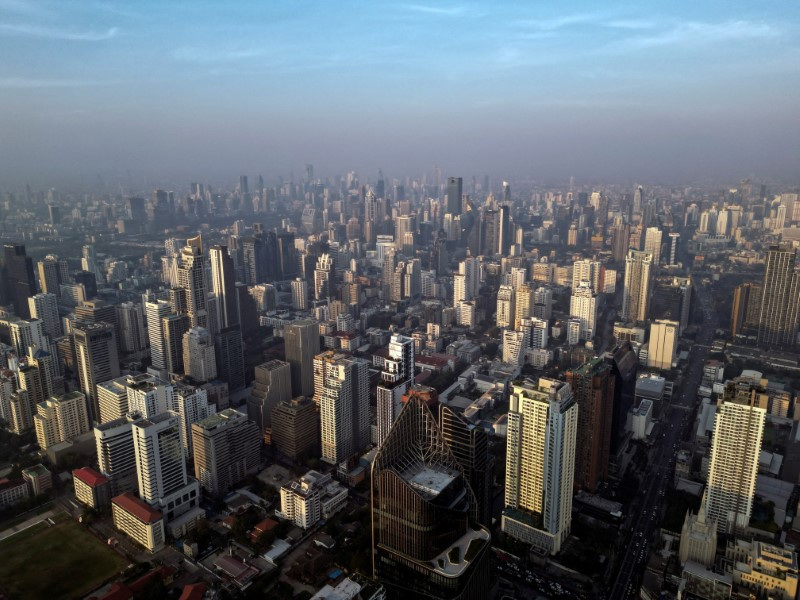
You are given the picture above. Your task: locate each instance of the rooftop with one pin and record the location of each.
(429, 480)
(136, 507)
(89, 476)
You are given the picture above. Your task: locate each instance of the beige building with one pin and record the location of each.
(295, 427)
(61, 419)
(698, 538)
(91, 488)
(663, 344)
(764, 569)
(112, 396)
(138, 520)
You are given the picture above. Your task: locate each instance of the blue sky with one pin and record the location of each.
(597, 90)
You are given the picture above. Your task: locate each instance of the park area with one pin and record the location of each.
(59, 561)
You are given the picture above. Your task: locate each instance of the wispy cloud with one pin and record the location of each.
(207, 55)
(53, 33)
(695, 33)
(449, 11)
(33, 83)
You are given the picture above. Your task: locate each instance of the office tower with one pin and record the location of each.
(190, 404)
(445, 554)
(112, 399)
(45, 308)
(323, 277)
(243, 187)
(621, 234)
(287, 256)
(663, 344)
(593, 390)
(96, 311)
(301, 340)
(272, 385)
(505, 306)
(131, 327)
(89, 283)
(540, 464)
(735, 449)
(637, 200)
(60, 419)
(515, 343)
(341, 391)
(156, 310)
(746, 309)
(148, 395)
(405, 225)
(780, 297)
(223, 286)
(523, 305)
(455, 191)
(229, 349)
(173, 327)
(116, 457)
(397, 375)
(161, 467)
(17, 279)
(583, 305)
(469, 443)
(199, 360)
(504, 231)
(299, 294)
(652, 243)
(97, 360)
(90, 264)
(673, 248)
(50, 275)
(226, 449)
(295, 428)
(191, 277)
(636, 293)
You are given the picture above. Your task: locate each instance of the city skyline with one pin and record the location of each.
(621, 92)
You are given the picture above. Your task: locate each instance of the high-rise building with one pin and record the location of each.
(226, 448)
(299, 294)
(504, 230)
(116, 456)
(161, 466)
(155, 311)
(16, 279)
(583, 305)
(301, 340)
(45, 308)
(505, 306)
(746, 309)
(673, 247)
(148, 395)
(652, 243)
(636, 293)
(50, 275)
(199, 360)
(341, 391)
(229, 348)
(396, 377)
(469, 443)
(540, 464)
(112, 399)
(455, 189)
(272, 385)
(131, 327)
(515, 343)
(445, 554)
(593, 389)
(662, 347)
(223, 286)
(190, 404)
(173, 327)
(191, 277)
(780, 298)
(735, 450)
(60, 419)
(295, 427)
(97, 360)
(523, 305)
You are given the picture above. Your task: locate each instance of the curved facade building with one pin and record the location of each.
(427, 542)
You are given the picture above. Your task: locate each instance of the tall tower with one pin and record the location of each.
(301, 340)
(396, 377)
(155, 310)
(505, 230)
(50, 275)
(746, 308)
(636, 293)
(45, 308)
(272, 385)
(223, 286)
(583, 305)
(96, 353)
(455, 190)
(738, 429)
(780, 296)
(652, 243)
(505, 306)
(191, 277)
(17, 279)
(593, 389)
(199, 361)
(445, 554)
(341, 391)
(540, 464)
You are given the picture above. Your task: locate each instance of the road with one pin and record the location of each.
(675, 424)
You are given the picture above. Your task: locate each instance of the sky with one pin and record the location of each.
(181, 91)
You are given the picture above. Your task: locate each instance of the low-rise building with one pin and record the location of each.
(12, 491)
(39, 479)
(312, 497)
(91, 488)
(763, 568)
(138, 520)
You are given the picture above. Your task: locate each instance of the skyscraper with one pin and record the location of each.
(445, 554)
(735, 450)
(662, 347)
(746, 309)
(583, 305)
(636, 293)
(191, 277)
(505, 306)
(173, 327)
(455, 189)
(226, 448)
(295, 428)
(45, 308)
(396, 377)
(17, 279)
(229, 350)
(116, 456)
(652, 243)
(96, 353)
(540, 464)
(199, 360)
(223, 286)
(155, 311)
(341, 391)
(301, 340)
(593, 389)
(272, 385)
(505, 231)
(50, 275)
(780, 298)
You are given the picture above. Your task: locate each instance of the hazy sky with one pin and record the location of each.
(669, 91)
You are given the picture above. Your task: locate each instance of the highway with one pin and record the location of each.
(675, 423)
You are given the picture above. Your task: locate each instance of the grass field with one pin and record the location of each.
(62, 561)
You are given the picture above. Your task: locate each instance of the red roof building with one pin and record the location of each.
(138, 508)
(89, 476)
